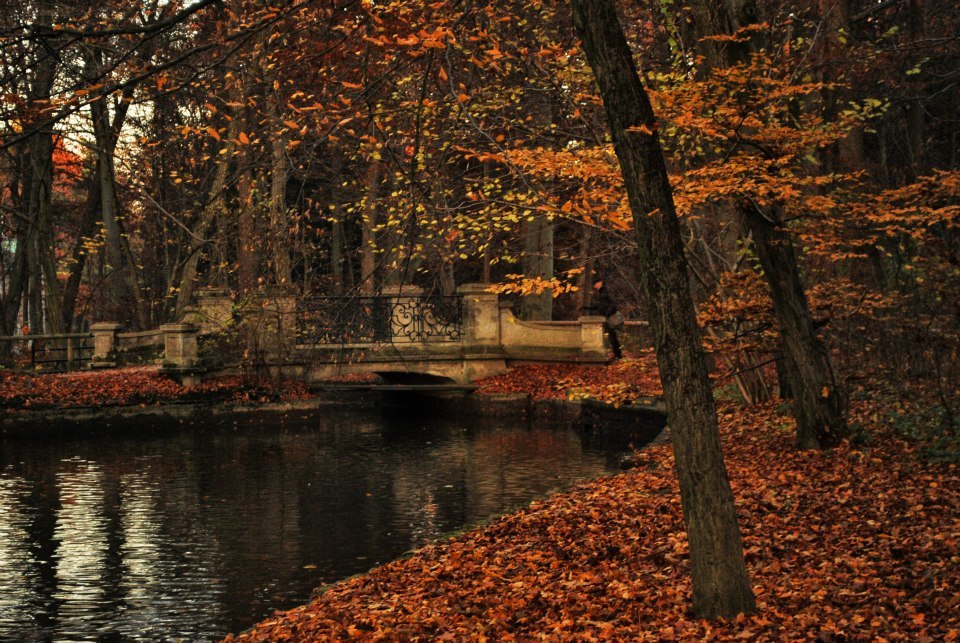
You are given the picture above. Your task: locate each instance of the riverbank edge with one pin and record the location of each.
(41, 422)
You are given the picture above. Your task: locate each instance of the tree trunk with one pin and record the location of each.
(720, 583)
(336, 255)
(817, 399)
(279, 221)
(538, 262)
(123, 278)
(368, 243)
(79, 260)
(248, 264)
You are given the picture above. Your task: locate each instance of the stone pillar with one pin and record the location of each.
(481, 317)
(214, 310)
(180, 346)
(592, 346)
(105, 344)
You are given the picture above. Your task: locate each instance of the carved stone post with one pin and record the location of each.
(592, 345)
(104, 344)
(481, 317)
(180, 346)
(214, 309)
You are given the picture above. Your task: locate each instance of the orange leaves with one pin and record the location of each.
(130, 386)
(831, 553)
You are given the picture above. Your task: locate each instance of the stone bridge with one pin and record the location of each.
(401, 335)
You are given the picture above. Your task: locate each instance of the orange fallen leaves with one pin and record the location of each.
(832, 550)
(617, 383)
(132, 386)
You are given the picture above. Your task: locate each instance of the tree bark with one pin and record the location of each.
(279, 221)
(538, 262)
(817, 399)
(368, 244)
(720, 583)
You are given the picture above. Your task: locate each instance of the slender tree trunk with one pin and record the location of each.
(279, 221)
(123, 279)
(720, 583)
(79, 259)
(368, 243)
(215, 207)
(817, 399)
(915, 115)
(585, 278)
(336, 255)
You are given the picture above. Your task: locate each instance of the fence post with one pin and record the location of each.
(70, 353)
(179, 346)
(104, 344)
(592, 345)
(214, 309)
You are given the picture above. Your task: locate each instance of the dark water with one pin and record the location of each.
(151, 534)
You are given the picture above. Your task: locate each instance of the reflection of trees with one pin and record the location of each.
(81, 531)
(17, 567)
(194, 532)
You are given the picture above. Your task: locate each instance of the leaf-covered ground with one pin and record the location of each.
(854, 544)
(621, 381)
(131, 386)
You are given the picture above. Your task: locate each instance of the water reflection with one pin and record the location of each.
(18, 568)
(154, 535)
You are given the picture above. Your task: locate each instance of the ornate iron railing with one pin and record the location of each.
(380, 319)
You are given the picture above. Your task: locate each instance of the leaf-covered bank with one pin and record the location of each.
(856, 543)
(133, 387)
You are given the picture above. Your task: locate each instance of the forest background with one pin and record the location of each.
(335, 148)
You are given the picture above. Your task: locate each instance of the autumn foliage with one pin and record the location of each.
(858, 543)
(132, 386)
(621, 382)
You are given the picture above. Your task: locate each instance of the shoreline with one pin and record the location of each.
(26, 423)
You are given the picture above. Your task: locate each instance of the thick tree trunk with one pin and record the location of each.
(817, 399)
(538, 262)
(720, 583)
(123, 279)
(248, 263)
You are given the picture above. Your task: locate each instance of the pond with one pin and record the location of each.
(151, 532)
